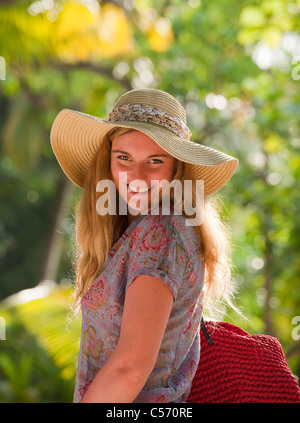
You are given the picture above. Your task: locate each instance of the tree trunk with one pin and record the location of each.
(268, 282)
(54, 243)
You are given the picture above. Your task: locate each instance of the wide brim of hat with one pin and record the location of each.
(76, 137)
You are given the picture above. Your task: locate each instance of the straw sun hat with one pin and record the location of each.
(75, 137)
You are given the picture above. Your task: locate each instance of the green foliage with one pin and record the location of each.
(39, 355)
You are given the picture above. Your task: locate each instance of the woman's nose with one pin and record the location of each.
(138, 171)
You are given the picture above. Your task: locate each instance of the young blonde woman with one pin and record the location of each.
(143, 276)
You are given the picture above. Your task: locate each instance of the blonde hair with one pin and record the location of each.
(96, 234)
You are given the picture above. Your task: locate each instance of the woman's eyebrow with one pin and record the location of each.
(152, 155)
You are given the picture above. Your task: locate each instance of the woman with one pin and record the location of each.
(142, 275)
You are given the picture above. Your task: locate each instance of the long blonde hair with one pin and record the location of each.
(96, 234)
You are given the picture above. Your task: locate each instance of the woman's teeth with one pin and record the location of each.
(138, 189)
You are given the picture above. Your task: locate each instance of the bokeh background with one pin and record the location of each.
(234, 65)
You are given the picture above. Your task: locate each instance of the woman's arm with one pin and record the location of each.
(147, 307)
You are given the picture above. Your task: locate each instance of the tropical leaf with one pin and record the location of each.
(54, 345)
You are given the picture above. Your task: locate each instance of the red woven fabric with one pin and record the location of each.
(242, 368)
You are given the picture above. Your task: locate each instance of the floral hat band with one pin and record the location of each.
(150, 114)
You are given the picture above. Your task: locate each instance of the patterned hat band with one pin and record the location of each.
(144, 113)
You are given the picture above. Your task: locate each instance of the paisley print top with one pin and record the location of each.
(155, 245)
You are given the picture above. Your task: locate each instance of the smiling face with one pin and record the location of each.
(142, 159)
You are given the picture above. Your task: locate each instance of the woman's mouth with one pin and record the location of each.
(138, 190)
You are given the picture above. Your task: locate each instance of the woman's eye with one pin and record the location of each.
(153, 161)
(157, 160)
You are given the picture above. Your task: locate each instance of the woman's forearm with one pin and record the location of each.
(115, 384)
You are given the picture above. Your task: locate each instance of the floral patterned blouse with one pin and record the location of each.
(155, 245)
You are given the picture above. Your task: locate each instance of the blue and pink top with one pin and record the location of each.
(165, 247)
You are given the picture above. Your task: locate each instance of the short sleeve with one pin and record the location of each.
(164, 250)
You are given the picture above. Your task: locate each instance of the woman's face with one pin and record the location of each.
(143, 161)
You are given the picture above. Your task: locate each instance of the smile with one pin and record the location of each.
(139, 190)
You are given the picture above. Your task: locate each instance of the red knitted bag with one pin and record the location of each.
(236, 367)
